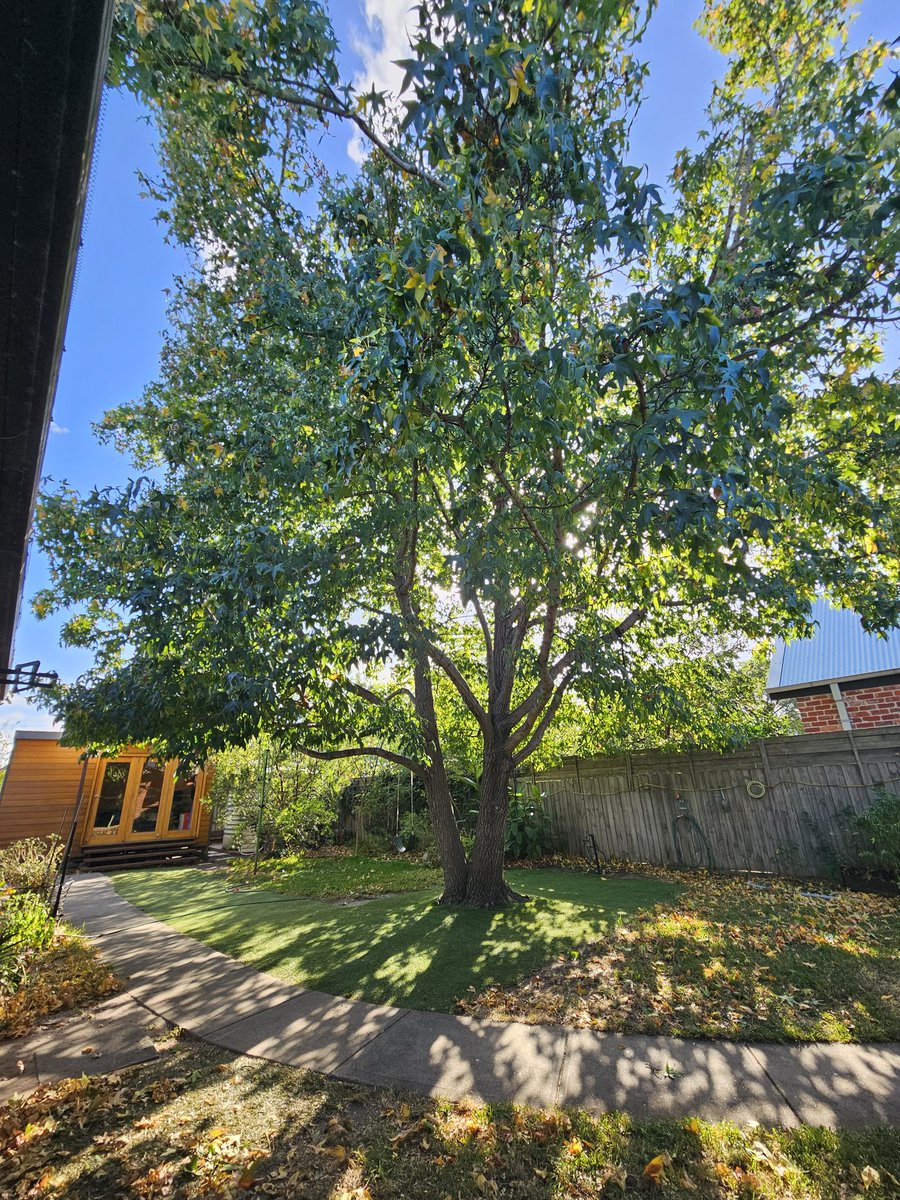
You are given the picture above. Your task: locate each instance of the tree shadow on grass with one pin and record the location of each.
(403, 950)
(200, 1120)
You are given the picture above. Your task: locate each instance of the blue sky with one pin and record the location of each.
(118, 309)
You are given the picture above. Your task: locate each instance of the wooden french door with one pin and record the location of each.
(139, 798)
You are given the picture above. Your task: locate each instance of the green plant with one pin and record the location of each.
(26, 927)
(416, 831)
(300, 796)
(30, 864)
(528, 833)
(878, 834)
(305, 823)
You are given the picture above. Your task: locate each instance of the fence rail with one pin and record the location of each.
(780, 805)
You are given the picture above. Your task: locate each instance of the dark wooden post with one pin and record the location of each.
(71, 838)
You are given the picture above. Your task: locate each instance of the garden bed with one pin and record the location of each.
(68, 973)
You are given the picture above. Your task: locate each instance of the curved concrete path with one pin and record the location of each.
(234, 1006)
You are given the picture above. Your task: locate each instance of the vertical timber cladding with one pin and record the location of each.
(779, 805)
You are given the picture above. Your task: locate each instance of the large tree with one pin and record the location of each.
(490, 411)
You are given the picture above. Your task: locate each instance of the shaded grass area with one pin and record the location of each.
(200, 1121)
(334, 875)
(69, 973)
(730, 959)
(403, 950)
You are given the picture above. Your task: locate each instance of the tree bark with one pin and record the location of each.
(446, 835)
(485, 886)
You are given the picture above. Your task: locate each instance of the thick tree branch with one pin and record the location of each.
(399, 760)
(371, 697)
(544, 724)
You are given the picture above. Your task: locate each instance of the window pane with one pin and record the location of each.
(182, 804)
(112, 795)
(149, 793)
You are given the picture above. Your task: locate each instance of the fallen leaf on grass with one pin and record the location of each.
(869, 1177)
(655, 1169)
(336, 1152)
(403, 1135)
(575, 1146)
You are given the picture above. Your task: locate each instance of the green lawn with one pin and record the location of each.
(403, 950)
(326, 876)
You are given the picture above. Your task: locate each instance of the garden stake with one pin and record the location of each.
(262, 804)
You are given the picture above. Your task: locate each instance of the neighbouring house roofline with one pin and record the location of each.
(838, 651)
(37, 735)
(823, 685)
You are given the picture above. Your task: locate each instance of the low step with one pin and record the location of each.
(135, 855)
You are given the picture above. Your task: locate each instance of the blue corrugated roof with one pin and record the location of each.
(839, 649)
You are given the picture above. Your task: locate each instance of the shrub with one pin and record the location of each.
(26, 927)
(300, 796)
(304, 823)
(31, 864)
(878, 834)
(528, 833)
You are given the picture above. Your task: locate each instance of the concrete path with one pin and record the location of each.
(234, 1006)
(117, 1033)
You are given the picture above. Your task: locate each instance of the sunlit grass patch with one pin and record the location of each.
(336, 875)
(395, 949)
(772, 962)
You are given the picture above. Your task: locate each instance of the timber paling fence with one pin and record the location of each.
(781, 805)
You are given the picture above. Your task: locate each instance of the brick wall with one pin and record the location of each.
(871, 707)
(867, 707)
(819, 713)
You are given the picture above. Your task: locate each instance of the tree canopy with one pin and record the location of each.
(495, 410)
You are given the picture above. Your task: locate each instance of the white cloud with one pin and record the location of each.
(17, 712)
(386, 38)
(54, 428)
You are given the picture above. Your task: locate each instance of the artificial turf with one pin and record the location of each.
(398, 949)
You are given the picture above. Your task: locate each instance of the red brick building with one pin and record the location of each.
(841, 678)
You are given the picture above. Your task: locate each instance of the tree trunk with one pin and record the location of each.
(486, 887)
(446, 834)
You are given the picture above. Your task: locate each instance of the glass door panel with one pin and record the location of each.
(111, 800)
(181, 815)
(147, 799)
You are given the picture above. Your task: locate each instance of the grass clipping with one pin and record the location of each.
(67, 974)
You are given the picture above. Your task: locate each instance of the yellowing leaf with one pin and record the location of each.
(655, 1169)
(337, 1152)
(142, 20)
(869, 1176)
